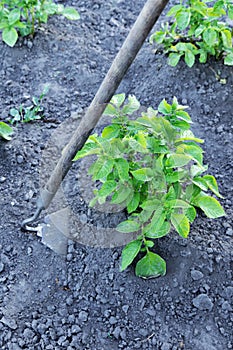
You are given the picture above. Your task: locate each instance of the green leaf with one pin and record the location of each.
(129, 253)
(167, 129)
(191, 213)
(122, 194)
(88, 149)
(105, 167)
(178, 203)
(132, 105)
(158, 233)
(151, 265)
(187, 135)
(136, 146)
(210, 36)
(230, 11)
(212, 184)
(142, 139)
(228, 60)
(5, 131)
(189, 58)
(164, 107)
(118, 100)
(110, 110)
(10, 36)
(111, 131)
(70, 13)
(122, 168)
(149, 244)
(200, 182)
(107, 188)
(199, 30)
(158, 37)
(203, 56)
(193, 151)
(157, 219)
(181, 224)
(151, 204)
(226, 38)
(133, 204)
(13, 16)
(173, 11)
(128, 226)
(144, 174)
(173, 58)
(183, 116)
(183, 18)
(178, 160)
(211, 207)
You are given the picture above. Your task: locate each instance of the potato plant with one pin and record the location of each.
(197, 30)
(153, 166)
(21, 16)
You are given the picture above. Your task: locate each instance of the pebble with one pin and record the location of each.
(112, 320)
(83, 218)
(83, 316)
(117, 332)
(9, 322)
(226, 306)
(196, 275)
(203, 302)
(2, 179)
(165, 346)
(2, 266)
(19, 159)
(28, 333)
(228, 292)
(125, 308)
(229, 232)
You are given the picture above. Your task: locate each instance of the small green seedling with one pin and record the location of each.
(152, 166)
(5, 131)
(31, 113)
(197, 30)
(21, 17)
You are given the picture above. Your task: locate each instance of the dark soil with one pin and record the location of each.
(82, 301)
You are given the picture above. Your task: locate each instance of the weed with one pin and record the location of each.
(31, 113)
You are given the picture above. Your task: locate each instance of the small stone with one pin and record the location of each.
(220, 129)
(83, 316)
(2, 179)
(229, 232)
(143, 332)
(203, 302)
(19, 159)
(2, 266)
(29, 44)
(151, 312)
(28, 333)
(196, 275)
(75, 329)
(83, 218)
(165, 346)
(112, 320)
(226, 306)
(125, 308)
(228, 292)
(9, 322)
(117, 332)
(69, 301)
